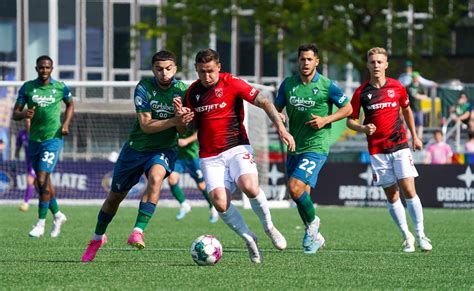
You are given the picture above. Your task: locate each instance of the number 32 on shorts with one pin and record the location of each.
(48, 157)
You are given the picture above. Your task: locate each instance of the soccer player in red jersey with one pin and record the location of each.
(226, 157)
(381, 98)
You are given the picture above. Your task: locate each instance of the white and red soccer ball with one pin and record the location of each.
(206, 250)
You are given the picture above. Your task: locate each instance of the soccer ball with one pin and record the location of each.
(206, 250)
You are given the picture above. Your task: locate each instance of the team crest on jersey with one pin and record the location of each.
(138, 101)
(252, 92)
(315, 91)
(219, 92)
(391, 93)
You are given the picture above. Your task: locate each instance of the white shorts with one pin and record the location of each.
(225, 169)
(389, 168)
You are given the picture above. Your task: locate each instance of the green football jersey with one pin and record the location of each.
(191, 151)
(150, 97)
(46, 123)
(303, 100)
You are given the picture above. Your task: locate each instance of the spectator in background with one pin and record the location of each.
(461, 111)
(2, 147)
(406, 78)
(439, 153)
(416, 93)
(22, 143)
(469, 146)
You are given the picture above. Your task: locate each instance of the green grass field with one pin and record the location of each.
(362, 252)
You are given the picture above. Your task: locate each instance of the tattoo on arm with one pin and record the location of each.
(263, 102)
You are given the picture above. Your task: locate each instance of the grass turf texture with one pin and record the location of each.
(363, 251)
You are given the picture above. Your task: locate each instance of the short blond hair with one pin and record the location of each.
(377, 51)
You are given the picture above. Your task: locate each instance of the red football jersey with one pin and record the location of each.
(382, 108)
(219, 113)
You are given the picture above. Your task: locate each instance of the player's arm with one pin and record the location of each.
(18, 147)
(182, 142)
(184, 113)
(410, 121)
(280, 101)
(352, 121)
(336, 97)
(150, 125)
(274, 115)
(18, 113)
(318, 122)
(68, 116)
(354, 124)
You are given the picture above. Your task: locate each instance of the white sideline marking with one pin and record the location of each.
(168, 203)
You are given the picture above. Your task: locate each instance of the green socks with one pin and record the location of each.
(305, 208)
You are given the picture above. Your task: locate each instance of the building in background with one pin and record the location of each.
(94, 40)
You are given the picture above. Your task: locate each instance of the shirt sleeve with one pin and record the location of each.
(280, 100)
(355, 102)
(141, 99)
(66, 93)
(336, 96)
(244, 90)
(21, 99)
(404, 100)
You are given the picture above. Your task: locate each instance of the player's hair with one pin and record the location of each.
(163, 55)
(308, 47)
(438, 131)
(207, 55)
(376, 51)
(470, 134)
(44, 58)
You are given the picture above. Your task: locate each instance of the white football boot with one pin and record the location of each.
(277, 238)
(409, 244)
(57, 223)
(424, 244)
(254, 252)
(38, 230)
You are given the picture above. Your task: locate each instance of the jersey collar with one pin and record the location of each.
(315, 78)
(51, 81)
(173, 82)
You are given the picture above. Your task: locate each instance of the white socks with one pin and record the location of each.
(138, 229)
(397, 211)
(416, 213)
(235, 221)
(41, 222)
(97, 236)
(260, 207)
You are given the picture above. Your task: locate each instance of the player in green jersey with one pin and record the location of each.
(150, 149)
(188, 161)
(43, 96)
(309, 98)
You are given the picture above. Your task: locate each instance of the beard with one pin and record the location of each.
(310, 72)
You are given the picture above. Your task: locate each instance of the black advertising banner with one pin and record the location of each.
(447, 186)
